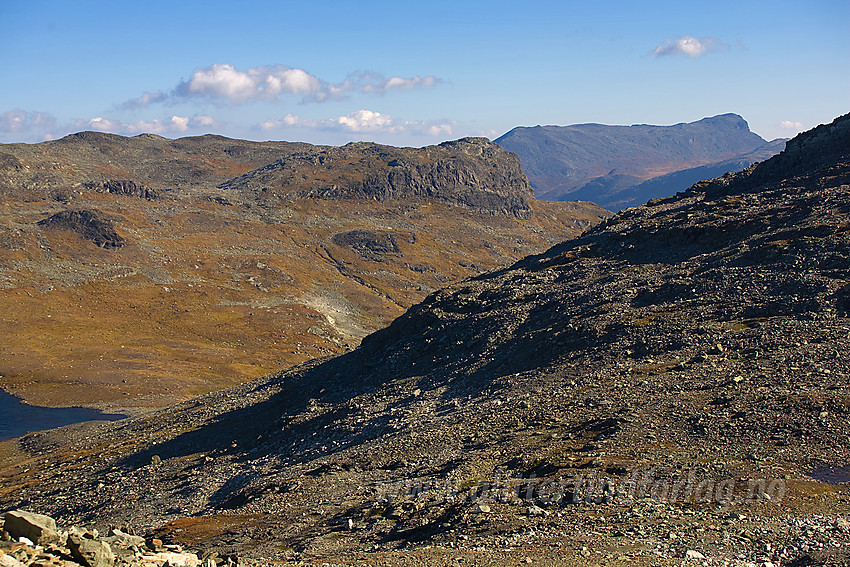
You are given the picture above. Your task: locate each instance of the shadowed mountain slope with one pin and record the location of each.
(678, 369)
(671, 183)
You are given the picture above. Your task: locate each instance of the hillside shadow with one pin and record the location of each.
(248, 432)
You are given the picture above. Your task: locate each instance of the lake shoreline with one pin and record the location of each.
(17, 417)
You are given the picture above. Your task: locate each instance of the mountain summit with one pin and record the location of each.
(473, 172)
(608, 164)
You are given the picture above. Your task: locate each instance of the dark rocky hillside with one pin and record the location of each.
(142, 271)
(91, 225)
(669, 388)
(472, 172)
(608, 164)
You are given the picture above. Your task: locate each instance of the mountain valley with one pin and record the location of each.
(670, 387)
(141, 271)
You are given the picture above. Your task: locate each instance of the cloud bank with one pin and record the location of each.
(690, 46)
(362, 121)
(21, 125)
(791, 125)
(224, 83)
(173, 125)
(25, 123)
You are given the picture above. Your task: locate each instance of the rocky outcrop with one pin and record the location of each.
(90, 552)
(123, 187)
(38, 528)
(10, 163)
(30, 539)
(471, 172)
(372, 245)
(91, 224)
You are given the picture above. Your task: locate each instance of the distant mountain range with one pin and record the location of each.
(624, 166)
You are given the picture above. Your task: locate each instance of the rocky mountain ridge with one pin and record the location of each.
(667, 388)
(471, 171)
(96, 161)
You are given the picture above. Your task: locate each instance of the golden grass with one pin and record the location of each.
(202, 298)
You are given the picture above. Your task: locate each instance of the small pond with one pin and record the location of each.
(18, 418)
(831, 475)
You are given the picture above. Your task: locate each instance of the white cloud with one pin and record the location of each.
(144, 101)
(223, 82)
(363, 121)
(174, 125)
(439, 130)
(288, 120)
(179, 123)
(791, 125)
(22, 122)
(690, 46)
(100, 124)
(202, 120)
(378, 84)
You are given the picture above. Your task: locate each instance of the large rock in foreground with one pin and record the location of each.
(37, 528)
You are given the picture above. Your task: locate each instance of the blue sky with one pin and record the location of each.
(415, 73)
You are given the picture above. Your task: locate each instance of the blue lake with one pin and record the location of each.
(18, 418)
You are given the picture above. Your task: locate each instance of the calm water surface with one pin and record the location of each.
(831, 475)
(18, 418)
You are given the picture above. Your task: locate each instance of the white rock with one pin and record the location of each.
(9, 561)
(175, 559)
